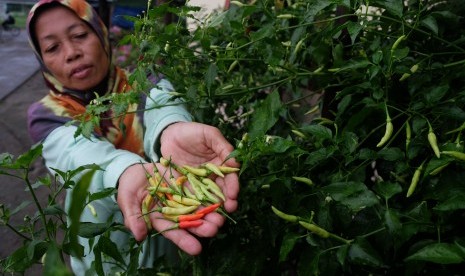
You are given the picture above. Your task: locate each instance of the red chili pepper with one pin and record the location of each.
(208, 209)
(189, 217)
(189, 223)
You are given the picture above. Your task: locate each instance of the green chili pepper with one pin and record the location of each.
(92, 209)
(284, 216)
(397, 42)
(186, 201)
(433, 142)
(146, 205)
(214, 188)
(208, 195)
(196, 171)
(305, 180)
(438, 169)
(408, 134)
(415, 179)
(225, 169)
(177, 211)
(195, 184)
(388, 131)
(214, 169)
(315, 229)
(456, 154)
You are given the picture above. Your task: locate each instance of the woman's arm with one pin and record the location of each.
(161, 112)
(61, 150)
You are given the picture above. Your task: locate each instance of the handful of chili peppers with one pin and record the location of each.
(184, 204)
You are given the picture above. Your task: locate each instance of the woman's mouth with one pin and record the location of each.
(81, 72)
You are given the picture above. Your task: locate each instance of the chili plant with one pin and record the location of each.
(363, 100)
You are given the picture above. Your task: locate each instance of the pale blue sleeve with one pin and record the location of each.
(61, 150)
(161, 112)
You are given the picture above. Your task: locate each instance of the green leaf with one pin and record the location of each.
(54, 265)
(440, 253)
(263, 32)
(434, 95)
(210, 75)
(78, 199)
(349, 142)
(289, 241)
(361, 252)
(455, 202)
(392, 222)
(354, 64)
(266, 115)
(36, 249)
(342, 253)
(102, 194)
(391, 154)
(89, 229)
(318, 131)
(354, 29)
(393, 6)
(216, 19)
(387, 189)
(18, 261)
(109, 248)
(55, 209)
(354, 195)
(431, 23)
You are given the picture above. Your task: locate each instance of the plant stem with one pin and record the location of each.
(17, 232)
(373, 232)
(37, 203)
(339, 238)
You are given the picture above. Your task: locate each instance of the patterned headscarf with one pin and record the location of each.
(63, 104)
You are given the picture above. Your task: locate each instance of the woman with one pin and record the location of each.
(72, 46)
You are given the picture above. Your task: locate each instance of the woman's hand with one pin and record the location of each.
(193, 144)
(132, 190)
(183, 143)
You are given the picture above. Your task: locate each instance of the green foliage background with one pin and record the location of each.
(311, 83)
(305, 89)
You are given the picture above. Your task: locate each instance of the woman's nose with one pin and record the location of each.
(72, 52)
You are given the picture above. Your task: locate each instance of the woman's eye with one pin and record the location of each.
(81, 35)
(51, 49)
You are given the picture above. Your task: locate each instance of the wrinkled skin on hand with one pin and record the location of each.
(185, 143)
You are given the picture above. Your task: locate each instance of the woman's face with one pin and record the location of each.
(70, 49)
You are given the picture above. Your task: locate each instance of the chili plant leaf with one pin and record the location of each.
(210, 75)
(431, 23)
(395, 7)
(354, 195)
(363, 253)
(455, 202)
(441, 253)
(102, 194)
(17, 261)
(434, 95)
(391, 220)
(78, 199)
(109, 248)
(387, 189)
(54, 264)
(391, 154)
(289, 241)
(266, 115)
(89, 230)
(318, 131)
